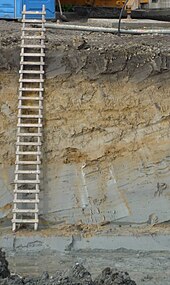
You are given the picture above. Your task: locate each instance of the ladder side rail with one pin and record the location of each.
(40, 109)
(17, 147)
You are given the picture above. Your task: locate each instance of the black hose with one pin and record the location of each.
(120, 16)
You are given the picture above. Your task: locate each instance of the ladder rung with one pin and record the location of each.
(25, 211)
(31, 72)
(31, 80)
(29, 134)
(34, 201)
(28, 153)
(30, 98)
(30, 116)
(31, 89)
(26, 191)
(24, 162)
(33, 54)
(33, 13)
(27, 181)
(29, 107)
(25, 221)
(32, 63)
(33, 37)
(29, 125)
(32, 46)
(34, 29)
(33, 21)
(27, 171)
(31, 201)
(28, 143)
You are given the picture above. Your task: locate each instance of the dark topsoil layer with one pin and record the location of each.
(92, 54)
(77, 275)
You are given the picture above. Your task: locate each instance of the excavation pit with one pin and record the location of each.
(105, 141)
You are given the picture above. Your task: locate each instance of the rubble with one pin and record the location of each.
(76, 275)
(113, 277)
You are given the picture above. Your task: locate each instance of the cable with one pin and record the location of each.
(120, 16)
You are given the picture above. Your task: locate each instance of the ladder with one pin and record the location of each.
(30, 115)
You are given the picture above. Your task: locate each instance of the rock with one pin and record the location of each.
(113, 277)
(79, 275)
(13, 280)
(4, 271)
(45, 276)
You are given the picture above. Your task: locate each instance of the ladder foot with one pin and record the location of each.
(35, 226)
(14, 227)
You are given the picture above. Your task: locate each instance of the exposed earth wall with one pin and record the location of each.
(106, 152)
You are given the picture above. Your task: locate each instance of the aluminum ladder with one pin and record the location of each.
(30, 115)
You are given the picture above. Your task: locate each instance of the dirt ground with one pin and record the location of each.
(10, 32)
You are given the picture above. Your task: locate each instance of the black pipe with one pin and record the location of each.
(120, 16)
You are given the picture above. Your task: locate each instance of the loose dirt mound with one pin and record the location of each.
(77, 275)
